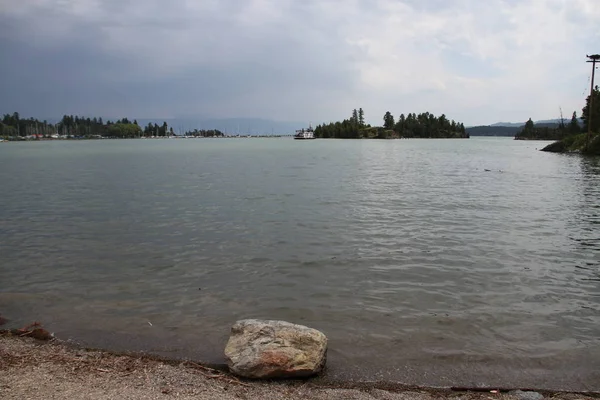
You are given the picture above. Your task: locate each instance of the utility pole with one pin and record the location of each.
(592, 59)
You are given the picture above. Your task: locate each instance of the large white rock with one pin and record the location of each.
(275, 349)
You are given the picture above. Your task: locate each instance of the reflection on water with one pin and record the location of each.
(420, 265)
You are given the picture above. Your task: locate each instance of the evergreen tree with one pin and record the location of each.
(148, 130)
(529, 126)
(530, 131)
(424, 125)
(388, 120)
(361, 117)
(595, 114)
(354, 118)
(574, 124)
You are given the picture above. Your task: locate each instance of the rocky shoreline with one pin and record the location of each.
(31, 368)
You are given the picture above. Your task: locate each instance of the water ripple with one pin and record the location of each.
(408, 254)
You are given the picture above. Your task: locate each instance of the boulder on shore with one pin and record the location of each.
(275, 349)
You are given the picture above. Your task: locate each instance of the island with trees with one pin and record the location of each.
(424, 125)
(576, 139)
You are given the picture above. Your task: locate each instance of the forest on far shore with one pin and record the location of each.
(424, 125)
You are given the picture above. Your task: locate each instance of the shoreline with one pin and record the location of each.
(32, 368)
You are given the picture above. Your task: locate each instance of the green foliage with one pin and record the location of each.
(388, 120)
(124, 130)
(531, 132)
(574, 142)
(593, 148)
(13, 125)
(424, 125)
(152, 130)
(595, 114)
(7, 130)
(205, 133)
(427, 125)
(574, 127)
(577, 143)
(77, 127)
(347, 129)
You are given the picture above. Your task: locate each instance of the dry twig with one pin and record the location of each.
(216, 374)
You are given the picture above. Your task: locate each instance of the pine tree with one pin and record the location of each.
(574, 124)
(529, 126)
(595, 114)
(354, 118)
(388, 120)
(361, 117)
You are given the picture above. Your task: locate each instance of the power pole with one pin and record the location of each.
(592, 59)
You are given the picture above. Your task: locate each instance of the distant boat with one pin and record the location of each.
(305, 134)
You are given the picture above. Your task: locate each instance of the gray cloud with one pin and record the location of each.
(288, 60)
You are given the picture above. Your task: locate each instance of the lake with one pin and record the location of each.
(435, 262)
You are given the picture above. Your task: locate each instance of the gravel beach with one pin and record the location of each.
(53, 370)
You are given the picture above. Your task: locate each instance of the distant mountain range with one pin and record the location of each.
(519, 124)
(493, 130)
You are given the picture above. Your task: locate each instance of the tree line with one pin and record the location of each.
(204, 133)
(532, 132)
(12, 125)
(424, 125)
(68, 126)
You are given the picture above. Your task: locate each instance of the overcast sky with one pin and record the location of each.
(476, 61)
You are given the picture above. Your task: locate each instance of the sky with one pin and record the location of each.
(478, 62)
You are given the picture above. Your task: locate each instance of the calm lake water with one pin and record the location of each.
(420, 266)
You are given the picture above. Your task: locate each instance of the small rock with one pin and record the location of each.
(521, 395)
(275, 349)
(41, 334)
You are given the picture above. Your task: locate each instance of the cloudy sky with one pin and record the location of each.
(476, 61)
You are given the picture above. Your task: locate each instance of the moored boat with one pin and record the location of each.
(304, 134)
